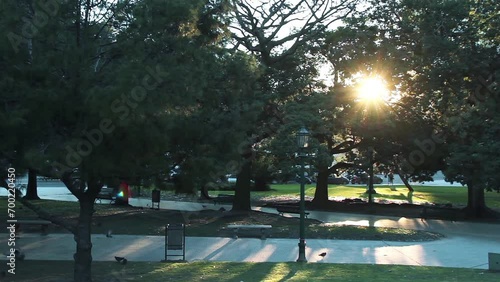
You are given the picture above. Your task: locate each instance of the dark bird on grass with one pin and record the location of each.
(108, 234)
(204, 206)
(322, 254)
(222, 209)
(121, 260)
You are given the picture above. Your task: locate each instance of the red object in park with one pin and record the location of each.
(123, 194)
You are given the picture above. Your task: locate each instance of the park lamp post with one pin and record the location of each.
(371, 191)
(372, 91)
(302, 142)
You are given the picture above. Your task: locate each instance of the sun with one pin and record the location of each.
(372, 89)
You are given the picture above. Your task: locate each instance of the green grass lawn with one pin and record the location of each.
(423, 194)
(44, 271)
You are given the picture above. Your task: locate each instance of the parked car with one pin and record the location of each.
(338, 180)
(231, 178)
(363, 179)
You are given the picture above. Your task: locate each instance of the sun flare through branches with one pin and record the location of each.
(372, 90)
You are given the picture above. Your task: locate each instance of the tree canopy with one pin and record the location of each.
(95, 92)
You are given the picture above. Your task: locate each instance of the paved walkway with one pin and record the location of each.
(449, 252)
(466, 244)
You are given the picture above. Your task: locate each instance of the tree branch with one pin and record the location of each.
(261, 25)
(337, 166)
(345, 147)
(72, 184)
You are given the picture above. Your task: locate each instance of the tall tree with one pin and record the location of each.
(346, 50)
(109, 81)
(276, 32)
(17, 78)
(450, 58)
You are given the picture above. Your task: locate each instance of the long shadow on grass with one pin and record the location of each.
(255, 271)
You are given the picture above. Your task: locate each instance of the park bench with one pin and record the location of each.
(250, 229)
(289, 209)
(223, 198)
(106, 194)
(26, 221)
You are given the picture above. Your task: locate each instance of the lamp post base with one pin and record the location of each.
(302, 251)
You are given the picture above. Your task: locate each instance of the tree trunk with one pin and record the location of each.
(261, 184)
(83, 255)
(370, 191)
(31, 190)
(476, 205)
(321, 193)
(402, 176)
(406, 182)
(470, 195)
(242, 189)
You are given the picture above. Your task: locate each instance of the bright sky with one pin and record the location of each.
(373, 89)
(296, 22)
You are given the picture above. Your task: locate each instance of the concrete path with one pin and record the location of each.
(448, 252)
(466, 244)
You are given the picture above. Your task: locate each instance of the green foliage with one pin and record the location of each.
(119, 90)
(442, 56)
(148, 88)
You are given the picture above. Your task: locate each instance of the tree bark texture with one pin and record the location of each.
(83, 255)
(321, 193)
(31, 190)
(242, 189)
(476, 205)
